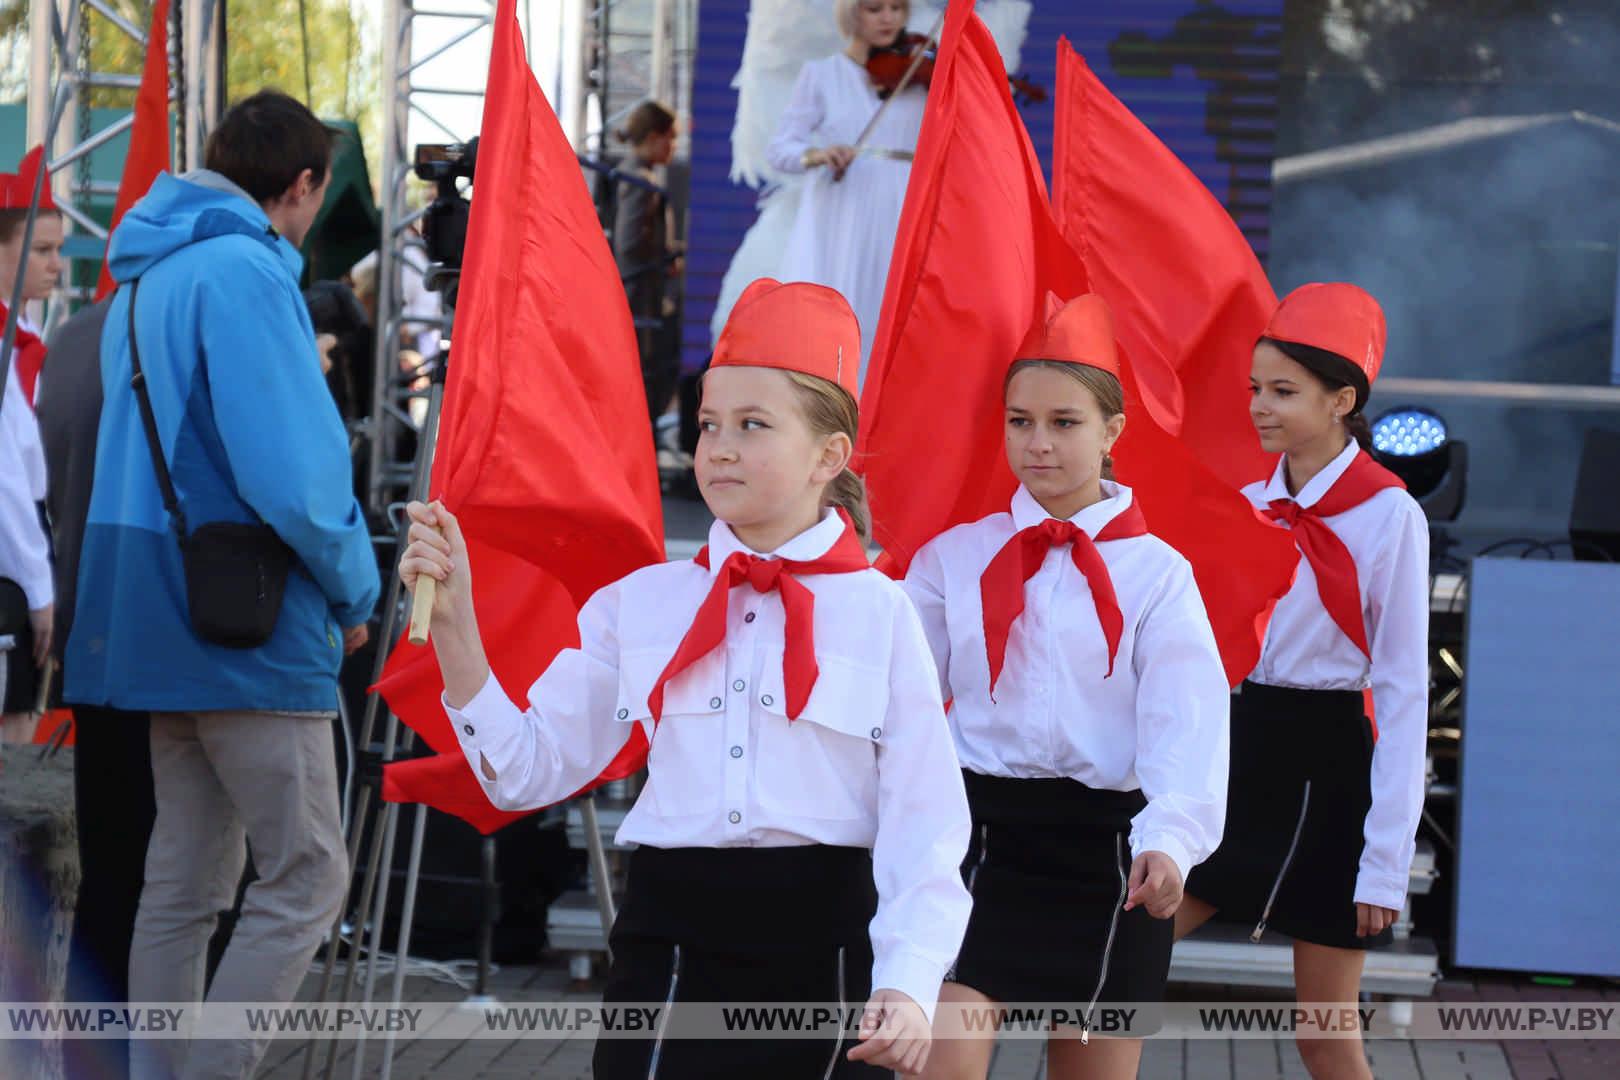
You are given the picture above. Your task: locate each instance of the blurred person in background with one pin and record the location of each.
(207, 266)
(644, 244)
(27, 593)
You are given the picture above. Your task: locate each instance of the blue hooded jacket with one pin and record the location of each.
(249, 432)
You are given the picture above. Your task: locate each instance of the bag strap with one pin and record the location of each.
(137, 382)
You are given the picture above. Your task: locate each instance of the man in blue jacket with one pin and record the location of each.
(241, 738)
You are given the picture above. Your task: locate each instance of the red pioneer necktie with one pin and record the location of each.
(29, 351)
(1336, 580)
(1001, 587)
(708, 630)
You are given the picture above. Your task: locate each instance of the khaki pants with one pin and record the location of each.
(219, 777)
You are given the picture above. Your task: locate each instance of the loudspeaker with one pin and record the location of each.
(1594, 515)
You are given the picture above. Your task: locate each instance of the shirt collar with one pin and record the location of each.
(813, 543)
(1116, 499)
(1277, 487)
(24, 323)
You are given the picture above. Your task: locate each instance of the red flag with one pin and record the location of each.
(1189, 299)
(149, 137)
(1187, 292)
(975, 254)
(977, 251)
(544, 452)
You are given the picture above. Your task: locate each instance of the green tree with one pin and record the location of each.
(13, 17)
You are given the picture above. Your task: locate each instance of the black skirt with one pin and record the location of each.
(1284, 740)
(1047, 868)
(20, 679)
(771, 925)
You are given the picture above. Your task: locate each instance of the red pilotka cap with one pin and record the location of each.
(17, 190)
(795, 327)
(1079, 332)
(1335, 316)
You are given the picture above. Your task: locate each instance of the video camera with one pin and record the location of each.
(444, 226)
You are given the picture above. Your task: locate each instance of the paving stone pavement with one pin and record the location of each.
(1195, 1059)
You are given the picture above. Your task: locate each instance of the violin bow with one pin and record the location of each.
(905, 81)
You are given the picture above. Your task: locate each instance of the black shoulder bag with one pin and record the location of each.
(236, 573)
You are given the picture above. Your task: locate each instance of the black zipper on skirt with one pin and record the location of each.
(669, 1008)
(838, 1040)
(1108, 944)
(1282, 871)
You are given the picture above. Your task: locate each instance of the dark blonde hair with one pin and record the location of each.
(648, 118)
(1105, 389)
(829, 410)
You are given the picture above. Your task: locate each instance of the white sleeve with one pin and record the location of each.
(923, 828)
(925, 586)
(1398, 631)
(798, 125)
(24, 548)
(569, 733)
(1183, 719)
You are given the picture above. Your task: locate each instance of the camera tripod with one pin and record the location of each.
(372, 905)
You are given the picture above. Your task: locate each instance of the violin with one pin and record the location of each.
(887, 66)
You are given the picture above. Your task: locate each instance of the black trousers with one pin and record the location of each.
(112, 797)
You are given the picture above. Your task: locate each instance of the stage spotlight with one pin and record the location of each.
(1413, 443)
(1408, 432)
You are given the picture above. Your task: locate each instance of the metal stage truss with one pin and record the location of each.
(60, 61)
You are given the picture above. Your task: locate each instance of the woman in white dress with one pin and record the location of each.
(843, 233)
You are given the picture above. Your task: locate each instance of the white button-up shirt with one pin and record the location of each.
(869, 763)
(1388, 537)
(1159, 723)
(24, 547)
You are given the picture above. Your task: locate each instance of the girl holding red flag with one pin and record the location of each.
(1324, 805)
(803, 821)
(1090, 712)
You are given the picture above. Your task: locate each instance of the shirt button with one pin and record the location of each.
(748, 617)
(624, 713)
(734, 817)
(736, 751)
(468, 728)
(715, 703)
(739, 685)
(877, 733)
(767, 700)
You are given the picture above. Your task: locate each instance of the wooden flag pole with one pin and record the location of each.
(422, 609)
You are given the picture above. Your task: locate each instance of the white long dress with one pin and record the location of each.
(843, 232)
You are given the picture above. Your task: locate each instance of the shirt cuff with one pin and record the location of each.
(39, 590)
(911, 973)
(1169, 845)
(1380, 890)
(480, 723)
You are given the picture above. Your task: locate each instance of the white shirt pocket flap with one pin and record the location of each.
(847, 699)
(694, 691)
